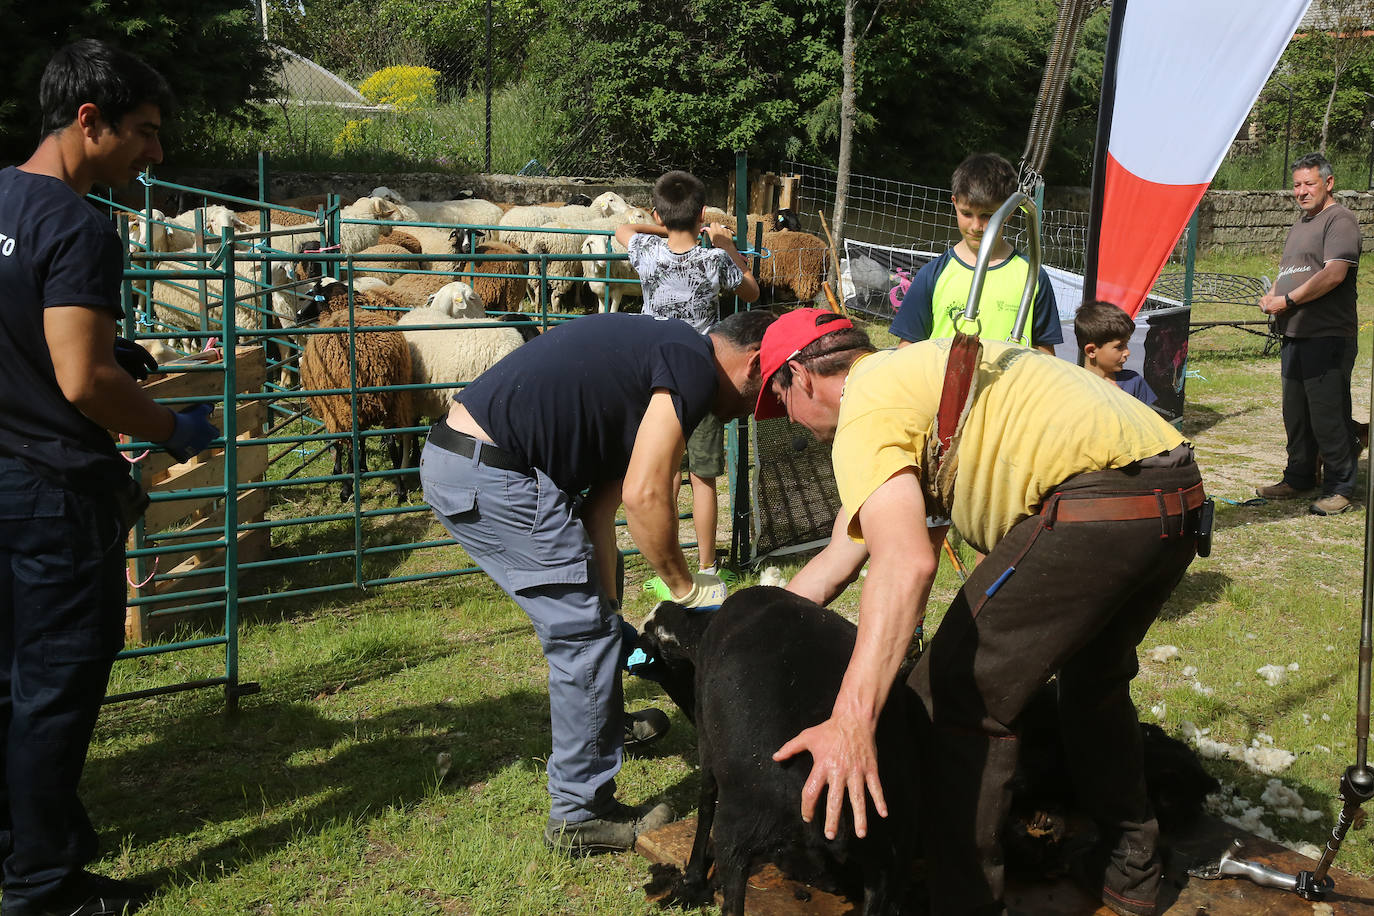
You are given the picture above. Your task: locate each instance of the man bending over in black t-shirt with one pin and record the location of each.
(66, 498)
(602, 404)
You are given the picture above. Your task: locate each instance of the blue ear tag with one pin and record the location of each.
(637, 657)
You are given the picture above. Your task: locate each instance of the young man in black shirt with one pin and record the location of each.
(66, 498)
(604, 405)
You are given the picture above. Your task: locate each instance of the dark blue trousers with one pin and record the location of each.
(62, 599)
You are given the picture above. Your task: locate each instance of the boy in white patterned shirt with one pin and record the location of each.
(683, 280)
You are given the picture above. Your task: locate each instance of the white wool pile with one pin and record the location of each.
(1287, 803)
(1261, 756)
(1239, 811)
(1205, 691)
(1190, 670)
(1159, 710)
(1161, 653)
(772, 576)
(1272, 674)
(1267, 760)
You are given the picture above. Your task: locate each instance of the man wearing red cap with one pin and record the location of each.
(1051, 471)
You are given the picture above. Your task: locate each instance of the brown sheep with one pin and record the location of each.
(499, 294)
(415, 289)
(798, 263)
(384, 269)
(383, 359)
(404, 239)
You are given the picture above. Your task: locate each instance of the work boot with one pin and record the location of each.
(1282, 490)
(643, 728)
(88, 894)
(1093, 870)
(614, 831)
(1333, 504)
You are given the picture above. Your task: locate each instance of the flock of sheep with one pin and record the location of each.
(414, 323)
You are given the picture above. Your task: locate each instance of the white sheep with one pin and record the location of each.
(599, 246)
(517, 218)
(178, 303)
(354, 237)
(181, 229)
(609, 204)
(458, 300)
(451, 355)
(473, 212)
(149, 234)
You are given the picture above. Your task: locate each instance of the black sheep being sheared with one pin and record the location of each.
(767, 665)
(752, 675)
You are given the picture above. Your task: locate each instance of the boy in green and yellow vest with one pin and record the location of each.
(939, 291)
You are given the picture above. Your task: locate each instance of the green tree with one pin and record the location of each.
(210, 51)
(1331, 75)
(651, 84)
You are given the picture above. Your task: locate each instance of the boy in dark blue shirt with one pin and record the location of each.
(1104, 332)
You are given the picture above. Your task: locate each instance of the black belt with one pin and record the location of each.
(450, 440)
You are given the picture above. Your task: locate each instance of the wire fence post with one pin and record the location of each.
(487, 168)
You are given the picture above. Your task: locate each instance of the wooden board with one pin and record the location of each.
(771, 894)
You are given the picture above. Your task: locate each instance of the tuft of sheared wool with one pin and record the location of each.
(1162, 653)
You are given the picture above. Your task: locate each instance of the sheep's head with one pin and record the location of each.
(317, 299)
(786, 218)
(457, 300)
(465, 240)
(669, 638)
(151, 233)
(609, 203)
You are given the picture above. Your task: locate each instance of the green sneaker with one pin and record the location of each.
(614, 831)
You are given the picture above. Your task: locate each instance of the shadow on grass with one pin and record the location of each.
(1198, 418)
(284, 770)
(1196, 589)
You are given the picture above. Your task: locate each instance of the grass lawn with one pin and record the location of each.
(393, 762)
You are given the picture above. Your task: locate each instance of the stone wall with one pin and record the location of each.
(412, 186)
(1260, 220)
(1241, 220)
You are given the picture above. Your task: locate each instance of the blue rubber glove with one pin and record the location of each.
(133, 359)
(193, 431)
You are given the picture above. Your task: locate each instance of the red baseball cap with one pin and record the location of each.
(783, 340)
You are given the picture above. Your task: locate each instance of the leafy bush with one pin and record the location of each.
(405, 88)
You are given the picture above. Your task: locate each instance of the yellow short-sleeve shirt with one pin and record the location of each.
(1035, 422)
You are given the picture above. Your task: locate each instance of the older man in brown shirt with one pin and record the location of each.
(1313, 302)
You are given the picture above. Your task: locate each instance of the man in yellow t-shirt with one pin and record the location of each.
(1090, 508)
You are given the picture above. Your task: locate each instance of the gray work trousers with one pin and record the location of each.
(1316, 412)
(522, 530)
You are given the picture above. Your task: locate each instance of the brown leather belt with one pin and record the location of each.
(1159, 504)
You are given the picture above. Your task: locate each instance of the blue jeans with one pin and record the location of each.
(523, 532)
(62, 598)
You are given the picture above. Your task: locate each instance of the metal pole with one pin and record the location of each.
(488, 160)
(1285, 176)
(1370, 183)
(1190, 258)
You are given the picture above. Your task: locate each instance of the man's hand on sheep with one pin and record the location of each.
(846, 763)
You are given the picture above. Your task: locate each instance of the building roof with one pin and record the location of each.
(1329, 14)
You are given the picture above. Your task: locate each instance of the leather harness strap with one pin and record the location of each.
(959, 372)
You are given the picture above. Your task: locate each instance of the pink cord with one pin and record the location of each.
(212, 348)
(125, 455)
(145, 581)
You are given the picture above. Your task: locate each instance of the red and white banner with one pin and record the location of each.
(1186, 75)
